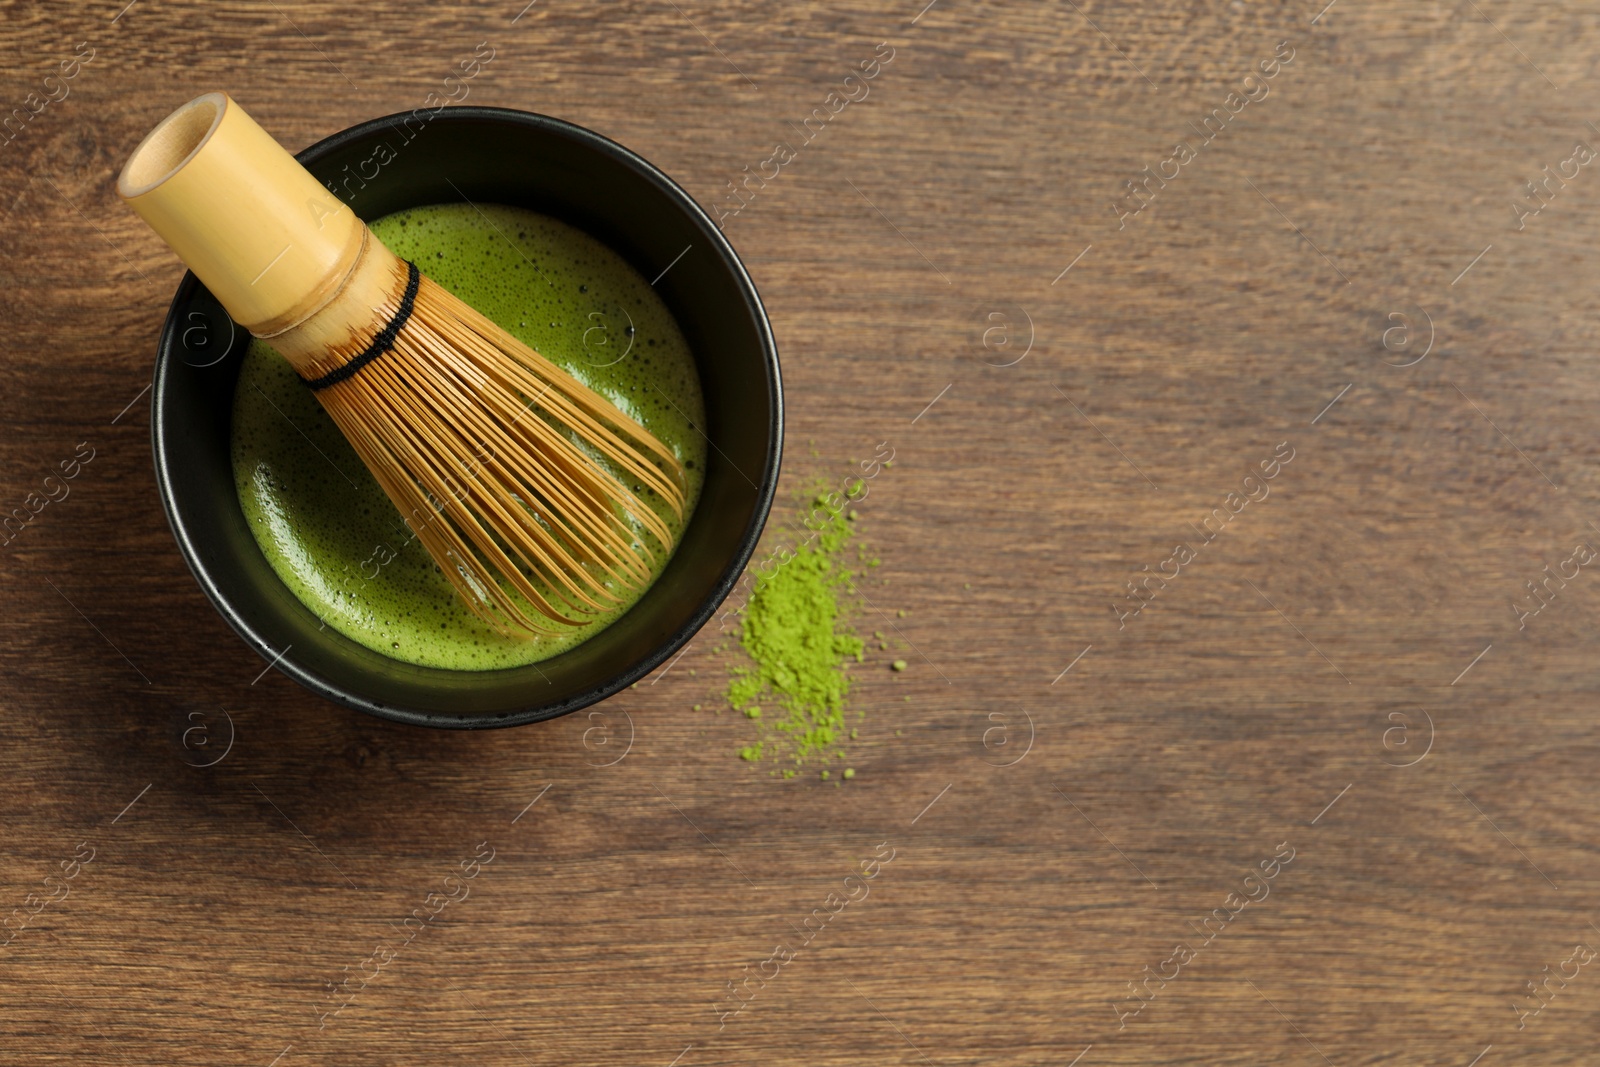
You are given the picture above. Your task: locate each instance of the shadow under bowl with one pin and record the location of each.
(501, 156)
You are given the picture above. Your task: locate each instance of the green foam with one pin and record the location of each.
(322, 521)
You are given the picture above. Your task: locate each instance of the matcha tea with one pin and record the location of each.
(326, 527)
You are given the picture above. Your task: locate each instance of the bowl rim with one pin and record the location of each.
(766, 488)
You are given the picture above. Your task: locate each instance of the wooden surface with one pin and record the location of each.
(1053, 834)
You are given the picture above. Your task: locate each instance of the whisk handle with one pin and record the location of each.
(269, 241)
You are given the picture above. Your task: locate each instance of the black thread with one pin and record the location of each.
(381, 343)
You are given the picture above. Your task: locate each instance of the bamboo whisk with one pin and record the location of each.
(513, 475)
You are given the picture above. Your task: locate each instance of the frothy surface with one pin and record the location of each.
(322, 521)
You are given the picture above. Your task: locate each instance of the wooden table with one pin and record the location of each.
(1333, 665)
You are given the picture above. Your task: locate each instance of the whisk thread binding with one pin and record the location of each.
(385, 339)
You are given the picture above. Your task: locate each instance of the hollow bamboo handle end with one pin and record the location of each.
(256, 228)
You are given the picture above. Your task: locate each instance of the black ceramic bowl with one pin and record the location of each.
(489, 155)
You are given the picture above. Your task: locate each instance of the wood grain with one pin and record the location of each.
(1254, 702)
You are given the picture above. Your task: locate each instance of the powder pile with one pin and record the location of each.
(797, 636)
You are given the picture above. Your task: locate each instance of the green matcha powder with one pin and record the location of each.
(798, 643)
